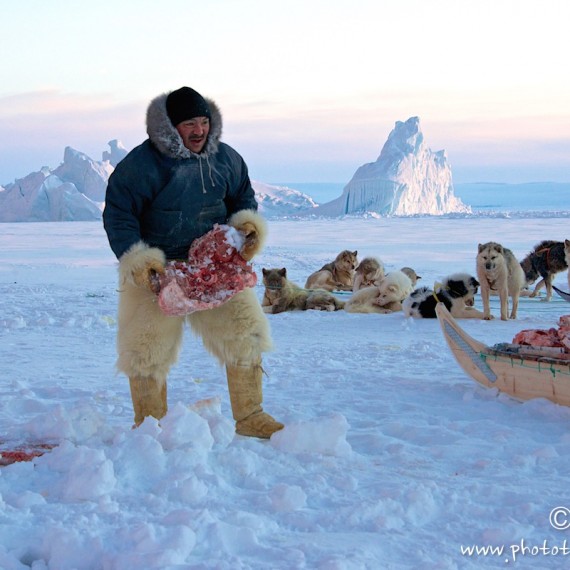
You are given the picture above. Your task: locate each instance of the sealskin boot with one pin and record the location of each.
(244, 384)
(149, 398)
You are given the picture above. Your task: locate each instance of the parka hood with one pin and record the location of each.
(165, 137)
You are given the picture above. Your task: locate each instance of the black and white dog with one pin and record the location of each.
(457, 292)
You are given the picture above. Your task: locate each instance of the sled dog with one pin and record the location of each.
(545, 260)
(337, 275)
(369, 270)
(283, 295)
(498, 270)
(411, 274)
(457, 292)
(385, 296)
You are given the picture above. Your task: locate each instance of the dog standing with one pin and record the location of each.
(545, 260)
(457, 293)
(283, 295)
(337, 275)
(498, 270)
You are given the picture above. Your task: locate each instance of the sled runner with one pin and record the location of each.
(520, 371)
(22, 452)
(563, 294)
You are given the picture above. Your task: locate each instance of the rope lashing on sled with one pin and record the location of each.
(477, 358)
(540, 364)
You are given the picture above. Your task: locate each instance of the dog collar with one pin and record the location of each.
(436, 289)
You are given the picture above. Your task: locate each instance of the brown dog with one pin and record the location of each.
(284, 295)
(545, 260)
(369, 270)
(337, 275)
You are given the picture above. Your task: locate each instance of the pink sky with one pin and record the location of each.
(309, 91)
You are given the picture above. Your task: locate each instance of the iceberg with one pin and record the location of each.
(408, 178)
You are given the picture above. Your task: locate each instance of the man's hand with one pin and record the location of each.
(254, 230)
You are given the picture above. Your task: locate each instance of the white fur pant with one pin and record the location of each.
(148, 342)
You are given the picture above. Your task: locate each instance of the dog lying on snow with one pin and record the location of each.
(411, 274)
(284, 295)
(385, 296)
(369, 270)
(457, 292)
(498, 270)
(545, 260)
(337, 275)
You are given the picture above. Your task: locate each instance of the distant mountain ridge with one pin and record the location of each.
(75, 191)
(281, 201)
(408, 178)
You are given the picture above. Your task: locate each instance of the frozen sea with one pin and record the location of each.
(391, 458)
(483, 197)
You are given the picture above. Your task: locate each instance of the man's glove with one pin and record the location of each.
(253, 228)
(141, 265)
(147, 275)
(251, 244)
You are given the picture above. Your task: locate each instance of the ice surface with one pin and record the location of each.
(391, 456)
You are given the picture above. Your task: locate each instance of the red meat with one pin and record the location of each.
(213, 274)
(537, 337)
(559, 337)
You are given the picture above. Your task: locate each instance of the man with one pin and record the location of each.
(165, 193)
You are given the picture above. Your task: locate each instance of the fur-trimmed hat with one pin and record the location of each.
(185, 104)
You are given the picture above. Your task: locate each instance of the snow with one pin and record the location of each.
(392, 458)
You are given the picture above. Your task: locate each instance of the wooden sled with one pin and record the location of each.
(523, 372)
(563, 294)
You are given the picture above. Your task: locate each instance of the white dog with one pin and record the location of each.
(385, 296)
(498, 270)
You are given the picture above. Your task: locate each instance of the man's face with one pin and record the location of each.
(194, 133)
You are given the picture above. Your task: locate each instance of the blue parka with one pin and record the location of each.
(163, 194)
